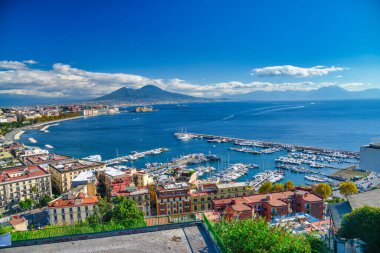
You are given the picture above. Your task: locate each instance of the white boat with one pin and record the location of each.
(48, 146)
(93, 158)
(32, 140)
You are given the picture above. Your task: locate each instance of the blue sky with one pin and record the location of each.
(204, 48)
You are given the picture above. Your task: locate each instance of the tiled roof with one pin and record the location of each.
(337, 211)
(46, 158)
(19, 173)
(79, 201)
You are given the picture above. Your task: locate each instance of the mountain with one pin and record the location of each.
(325, 93)
(146, 94)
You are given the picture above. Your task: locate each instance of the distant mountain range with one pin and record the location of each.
(325, 93)
(146, 94)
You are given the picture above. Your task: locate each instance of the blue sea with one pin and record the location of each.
(342, 125)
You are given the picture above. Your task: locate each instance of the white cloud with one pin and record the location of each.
(292, 71)
(338, 76)
(62, 80)
(12, 65)
(30, 61)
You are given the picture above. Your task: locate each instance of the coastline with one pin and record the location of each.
(16, 134)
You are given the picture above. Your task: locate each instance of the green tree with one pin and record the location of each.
(289, 185)
(257, 236)
(324, 190)
(44, 200)
(363, 223)
(347, 188)
(278, 187)
(265, 187)
(26, 204)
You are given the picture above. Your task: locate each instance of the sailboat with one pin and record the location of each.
(183, 135)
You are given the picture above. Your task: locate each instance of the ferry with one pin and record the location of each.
(93, 158)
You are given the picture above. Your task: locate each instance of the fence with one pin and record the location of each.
(214, 235)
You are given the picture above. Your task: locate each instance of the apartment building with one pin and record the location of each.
(64, 172)
(202, 196)
(131, 184)
(271, 205)
(172, 198)
(20, 183)
(43, 160)
(72, 207)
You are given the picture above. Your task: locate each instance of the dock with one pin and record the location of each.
(135, 156)
(266, 144)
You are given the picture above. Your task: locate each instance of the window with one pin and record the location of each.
(63, 217)
(63, 210)
(195, 200)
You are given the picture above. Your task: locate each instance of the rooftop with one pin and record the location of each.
(80, 200)
(369, 198)
(112, 172)
(46, 158)
(231, 185)
(74, 165)
(19, 173)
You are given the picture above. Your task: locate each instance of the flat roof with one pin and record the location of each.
(46, 158)
(77, 164)
(369, 198)
(19, 173)
(231, 185)
(185, 240)
(58, 203)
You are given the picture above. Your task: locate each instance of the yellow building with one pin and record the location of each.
(71, 208)
(203, 194)
(64, 172)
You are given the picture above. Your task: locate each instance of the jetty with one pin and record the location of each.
(135, 155)
(274, 145)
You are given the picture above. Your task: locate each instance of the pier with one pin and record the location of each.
(135, 156)
(266, 144)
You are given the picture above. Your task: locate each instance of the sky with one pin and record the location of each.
(203, 48)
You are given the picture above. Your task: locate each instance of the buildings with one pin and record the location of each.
(20, 183)
(172, 198)
(202, 196)
(43, 160)
(131, 184)
(64, 172)
(271, 205)
(370, 157)
(336, 212)
(71, 207)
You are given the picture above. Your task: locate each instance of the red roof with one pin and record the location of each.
(81, 201)
(19, 173)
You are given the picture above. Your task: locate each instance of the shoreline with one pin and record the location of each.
(16, 134)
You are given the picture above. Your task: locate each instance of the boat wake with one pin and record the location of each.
(281, 109)
(229, 117)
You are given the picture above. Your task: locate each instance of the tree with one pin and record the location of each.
(347, 188)
(278, 187)
(26, 204)
(363, 223)
(257, 236)
(324, 190)
(265, 187)
(44, 200)
(289, 185)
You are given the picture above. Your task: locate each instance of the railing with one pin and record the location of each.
(214, 235)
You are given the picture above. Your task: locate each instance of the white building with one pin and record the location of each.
(370, 157)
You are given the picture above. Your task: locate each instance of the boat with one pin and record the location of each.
(48, 146)
(32, 140)
(93, 158)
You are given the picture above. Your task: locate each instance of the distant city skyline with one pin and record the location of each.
(77, 49)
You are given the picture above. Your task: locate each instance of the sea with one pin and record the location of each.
(344, 125)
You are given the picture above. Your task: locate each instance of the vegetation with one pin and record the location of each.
(7, 127)
(26, 204)
(121, 211)
(347, 188)
(265, 187)
(5, 229)
(278, 187)
(335, 200)
(44, 200)
(324, 190)
(257, 236)
(289, 185)
(363, 223)
(121, 214)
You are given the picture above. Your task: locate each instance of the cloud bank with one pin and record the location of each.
(292, 71)
(63, 80)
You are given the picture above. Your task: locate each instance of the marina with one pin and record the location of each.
(135, 155)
